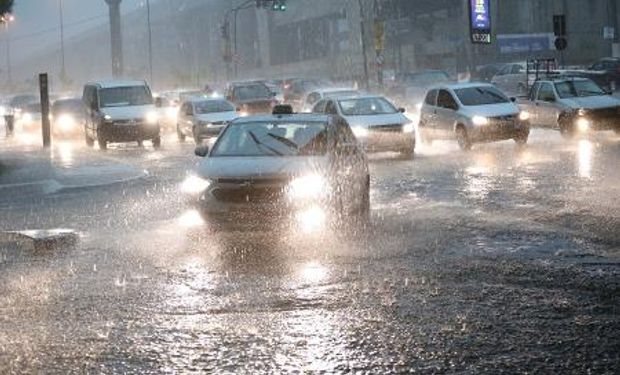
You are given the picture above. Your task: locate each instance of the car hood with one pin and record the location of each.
(128, 112)
(257, 167)
(491, 110)
(217, 117)
(254, 101)
(377, 120)
(591, 102)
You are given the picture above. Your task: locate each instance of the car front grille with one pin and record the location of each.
(127, 122)
(244, 190)
(387, 128)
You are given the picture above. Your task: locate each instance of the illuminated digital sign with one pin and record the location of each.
(480, 21)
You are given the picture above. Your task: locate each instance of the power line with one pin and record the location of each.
(52, 29)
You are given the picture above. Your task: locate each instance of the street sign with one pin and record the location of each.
(561, 43)
(480, 21)
(379, 33)
(609, 33)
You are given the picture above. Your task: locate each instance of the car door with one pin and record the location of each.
(546, 106)
(428, 114)
(446, 114)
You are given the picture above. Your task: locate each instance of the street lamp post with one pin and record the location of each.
(116, 37)
(150, 32)
(63, 71)
(6, 19)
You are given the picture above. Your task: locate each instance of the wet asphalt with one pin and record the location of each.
(498, 260)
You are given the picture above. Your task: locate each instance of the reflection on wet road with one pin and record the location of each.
(503, 258)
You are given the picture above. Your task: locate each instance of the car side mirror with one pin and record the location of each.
(402, 110)
(201, 151)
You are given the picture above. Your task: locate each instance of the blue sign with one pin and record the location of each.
(480, 21)
(525, 43)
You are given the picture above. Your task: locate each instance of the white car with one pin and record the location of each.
(313, 97)
(282, 171)
(471, 113)
(120, 111)
(204, 118)
(512, 79)
(377, 124)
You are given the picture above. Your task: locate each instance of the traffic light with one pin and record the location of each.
(275, 5)
(279, 6)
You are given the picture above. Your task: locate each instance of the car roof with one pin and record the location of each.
(463, 85)
(328, 90)
(359, 96)
(198, 99)
(117, 83)
(307, 117)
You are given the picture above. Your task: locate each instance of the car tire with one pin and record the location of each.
(180, 134)
(197, 139)
(521, 139)
(462, 138)
(156, 142)
(409, 152)
(89, 141)
(103, 144)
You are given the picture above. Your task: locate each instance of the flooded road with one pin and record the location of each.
(499, 259)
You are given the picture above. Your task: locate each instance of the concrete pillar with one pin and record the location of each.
(264, 37)
(116, 40)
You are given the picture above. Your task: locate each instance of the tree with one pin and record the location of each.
(6, 6)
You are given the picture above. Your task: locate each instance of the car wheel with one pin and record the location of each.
(180, 134)
(157, 142)
(521, 139)
(463, 139)
(89, 141)
(409, 152)
(103, 144)
(197, 139)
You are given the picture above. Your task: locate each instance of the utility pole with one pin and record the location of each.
(148, 16)
(6, 19)
(116, 37)
(363, 36)
(63, 71)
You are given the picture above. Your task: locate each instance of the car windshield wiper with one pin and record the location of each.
(285, 141)
(258, 142)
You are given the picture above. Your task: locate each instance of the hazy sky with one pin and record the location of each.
(37, 22)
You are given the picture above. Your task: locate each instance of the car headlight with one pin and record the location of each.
(480, 120)
(194, 185)
(360, 132)
(583, 124)
(152, 118)
(243, 114)
(408, 128)
(581, 112)
(172, 113)
(307, 187)
(66, 122)
(26, 117)
(107, 118)
(524, 116)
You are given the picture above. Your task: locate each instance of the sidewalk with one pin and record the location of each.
(29, 170)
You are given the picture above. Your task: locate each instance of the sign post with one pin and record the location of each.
(480, 21)
(45, 110)
(379, 34)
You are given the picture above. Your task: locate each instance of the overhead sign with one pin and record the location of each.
(480, 21)
(525, 43)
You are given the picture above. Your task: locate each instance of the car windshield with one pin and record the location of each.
(333, 94)
(272, 139)
(252, 92)
(124, 96)
(366, 106)
(484, 95)
(579, 88)
(71, 105)
(213, 106)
